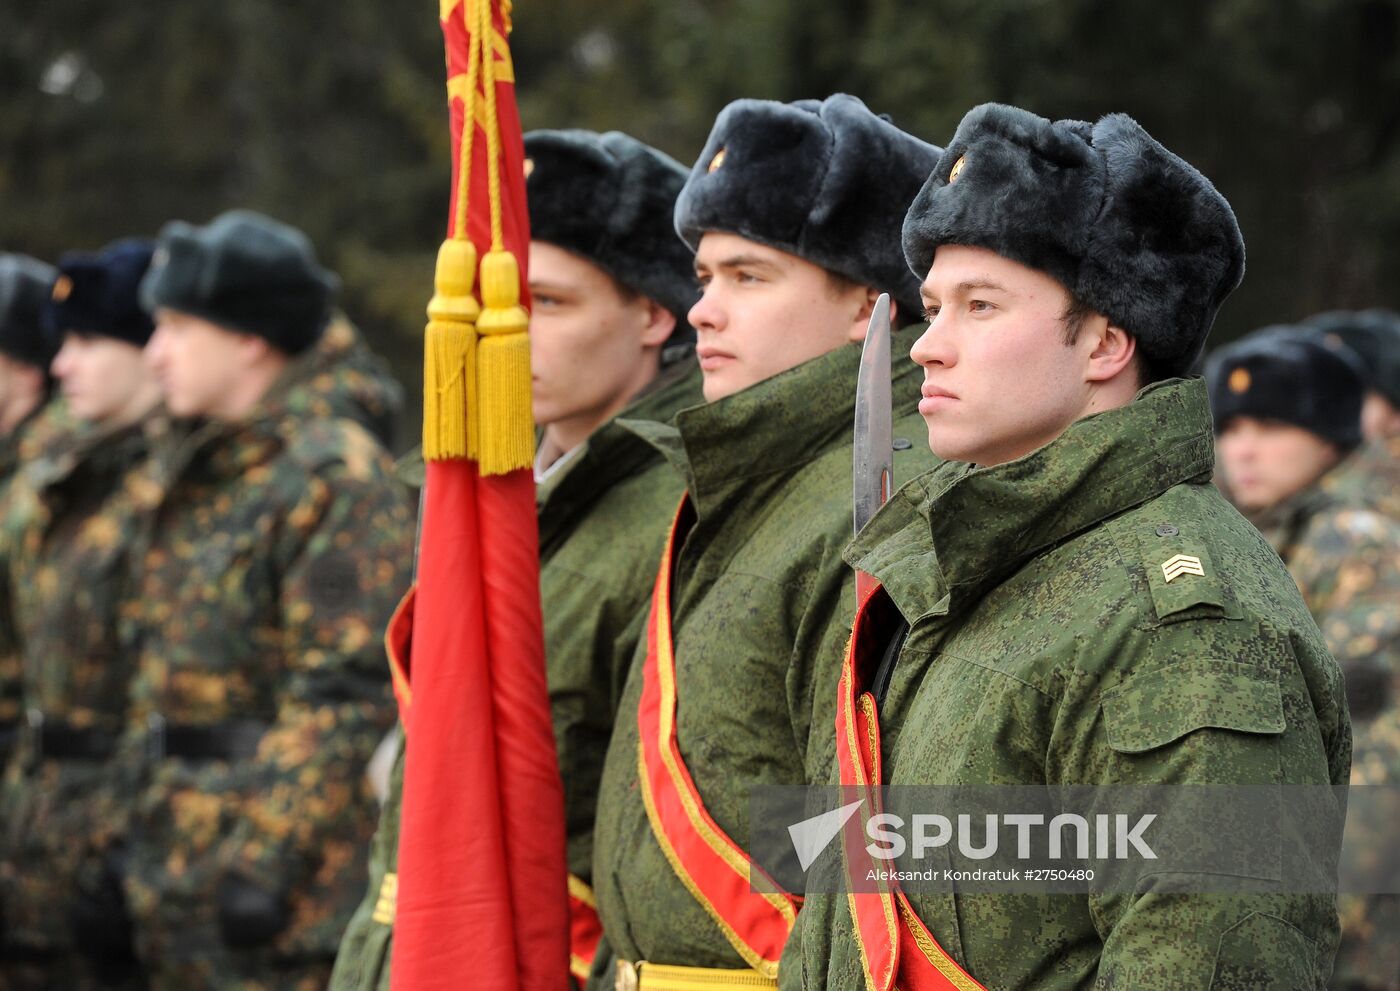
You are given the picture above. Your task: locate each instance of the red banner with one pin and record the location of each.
(482, 895)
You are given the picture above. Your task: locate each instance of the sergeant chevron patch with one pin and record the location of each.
(1182, 564)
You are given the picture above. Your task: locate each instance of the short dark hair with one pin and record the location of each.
(1077, 313)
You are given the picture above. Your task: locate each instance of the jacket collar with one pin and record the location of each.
(956, 532)
(612, 453)
(743, 445)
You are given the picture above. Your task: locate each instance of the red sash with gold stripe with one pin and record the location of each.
(715, 869)
(896, 948)
(585, 928)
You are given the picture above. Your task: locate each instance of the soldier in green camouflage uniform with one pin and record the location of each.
(67, 523)
(611, 284)
(25, 353)
(1045, 641)
(276, 545)
(795, 210)
(1371, 475)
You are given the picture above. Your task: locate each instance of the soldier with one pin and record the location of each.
(1372, 474)
(611, 284)
(67, 523)
(1287, 413)
(277, 545)
(350, 380)
(25, 353)
(1069, 568)
(794, 211)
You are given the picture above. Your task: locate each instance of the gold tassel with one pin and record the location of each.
(449, 355)
(505, 426)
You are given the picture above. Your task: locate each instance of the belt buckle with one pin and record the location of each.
(155, 736)
(626, 976)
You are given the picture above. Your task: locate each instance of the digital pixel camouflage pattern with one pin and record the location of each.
(762, 610)
(1047, 647)
(66, 522)
(1370, 476)
(1369, 957)
(603, 520)
(1346, 560)
(275, 551)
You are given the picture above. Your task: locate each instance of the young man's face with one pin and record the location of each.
(592, 344)
(198, 363)
(999, 379)
(763, 311)
(1266, 461)
(101, 377)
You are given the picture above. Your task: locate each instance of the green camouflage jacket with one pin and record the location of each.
(67, 523)
(762, 607)
(1346, 561)
(1370, 476)
(274, 551)
(1047, 647)
(603, 520)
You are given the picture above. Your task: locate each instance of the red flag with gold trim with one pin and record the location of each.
(482, 893)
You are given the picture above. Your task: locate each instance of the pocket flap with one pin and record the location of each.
(1152, 709)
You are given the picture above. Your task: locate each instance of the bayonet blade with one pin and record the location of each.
(874, 438)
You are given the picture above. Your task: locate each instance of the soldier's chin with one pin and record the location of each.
(946, 445)
(181, 405)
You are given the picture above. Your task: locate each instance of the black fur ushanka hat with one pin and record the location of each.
(1126, 226)
(826, 180)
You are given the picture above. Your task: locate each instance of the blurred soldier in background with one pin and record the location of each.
(1372, 474)
(611, 284)
(276, 547)
(67, 523)
(25, 353)
(1288, 414)
(349, 380)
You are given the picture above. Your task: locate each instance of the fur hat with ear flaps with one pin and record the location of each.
(1286, 373)
(1126, 226)
(609, 198)
(825, 180)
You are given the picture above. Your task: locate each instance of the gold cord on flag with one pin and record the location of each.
(507, 436)
(476, 375)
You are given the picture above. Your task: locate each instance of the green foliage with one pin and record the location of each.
(332, 115)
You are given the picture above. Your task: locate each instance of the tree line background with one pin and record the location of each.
(332, 115)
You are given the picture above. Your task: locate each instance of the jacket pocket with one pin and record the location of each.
(1157, 707)
(1265, 952)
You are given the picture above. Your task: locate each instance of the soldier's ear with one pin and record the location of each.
(659, 326)
(1111, 349)
(861, 324)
